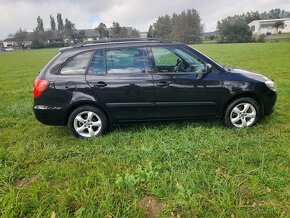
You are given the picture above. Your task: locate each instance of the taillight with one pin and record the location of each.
(38, 87)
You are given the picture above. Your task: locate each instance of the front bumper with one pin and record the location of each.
(269, 101)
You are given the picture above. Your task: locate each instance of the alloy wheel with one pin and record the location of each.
(243, 115)
(87, 124)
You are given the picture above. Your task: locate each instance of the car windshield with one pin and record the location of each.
(220, 65)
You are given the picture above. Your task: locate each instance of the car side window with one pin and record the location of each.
(174, 59)
(77, 64)
(125, 60)
(97, 65)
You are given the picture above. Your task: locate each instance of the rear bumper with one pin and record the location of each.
(50, 115)
(269, 101)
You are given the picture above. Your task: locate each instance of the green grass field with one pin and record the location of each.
(187, 169)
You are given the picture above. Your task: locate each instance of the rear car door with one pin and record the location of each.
(183, 88)
(120, 81)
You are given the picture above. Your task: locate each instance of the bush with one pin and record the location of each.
(233, 30)
(268, 33)
(211, 37)
(261, 38)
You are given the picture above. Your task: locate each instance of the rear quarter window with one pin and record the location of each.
(77, 64)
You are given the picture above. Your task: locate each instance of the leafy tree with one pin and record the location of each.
(102, 30)
(39, 26)
(39, 39)
(278, 24)
(80, 36)
(120, 32)
(234, 30)
(150, 33)
(116, 30)
(162, 27)
(20, 38)
(187, 27)
(52, 23)
(135, 33)
(123, 33)
(274, 13)
(60, 25)
(69, 30)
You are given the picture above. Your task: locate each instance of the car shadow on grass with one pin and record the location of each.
(173, 124)
(138, 127)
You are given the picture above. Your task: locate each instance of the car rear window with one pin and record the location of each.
(77, 64)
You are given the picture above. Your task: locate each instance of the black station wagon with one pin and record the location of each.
(93, 85)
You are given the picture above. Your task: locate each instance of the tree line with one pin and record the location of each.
(117, 31)
(64, 32)
(184, 27)
(236, 29)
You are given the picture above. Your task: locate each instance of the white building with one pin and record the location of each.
(266, 26)
(143, 35)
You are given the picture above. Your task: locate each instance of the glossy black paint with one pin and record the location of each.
(149, 95)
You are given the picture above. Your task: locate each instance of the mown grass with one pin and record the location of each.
(193, 168)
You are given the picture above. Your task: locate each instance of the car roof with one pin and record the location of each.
(118, 43)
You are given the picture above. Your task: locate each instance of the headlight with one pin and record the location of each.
(271, 85)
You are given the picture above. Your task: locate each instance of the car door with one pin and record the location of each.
(183, 88)
(120, 80)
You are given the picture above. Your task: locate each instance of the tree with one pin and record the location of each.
(187, 27)
(234, 29)
(278, 24)
(135, 33)
(70, 30)
(116, 30)
(60, 25)
(274, 13)
(20, 38)
(80, 36)
(102, 30)
(39, 39)
(52, 23)
(150, 33)
(162, 27)
(39, 26)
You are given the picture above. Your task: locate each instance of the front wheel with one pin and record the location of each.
(242, 112)
(87, 122)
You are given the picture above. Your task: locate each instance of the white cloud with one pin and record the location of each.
(136, 13)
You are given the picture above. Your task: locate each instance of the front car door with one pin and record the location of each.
(120, 80)
(183, 88)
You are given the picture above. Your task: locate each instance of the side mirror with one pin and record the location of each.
(208, 68)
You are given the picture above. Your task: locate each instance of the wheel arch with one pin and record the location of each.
(245, 95)
(88, 103)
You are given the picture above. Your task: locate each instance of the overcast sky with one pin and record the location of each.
(136, 13)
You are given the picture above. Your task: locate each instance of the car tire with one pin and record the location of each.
(242, 112)
(87, 122)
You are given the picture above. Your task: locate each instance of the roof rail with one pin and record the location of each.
(124, 40)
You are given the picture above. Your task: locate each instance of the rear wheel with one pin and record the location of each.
(87, 122)
(242, 112)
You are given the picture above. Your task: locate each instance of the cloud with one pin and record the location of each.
(135, 13)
